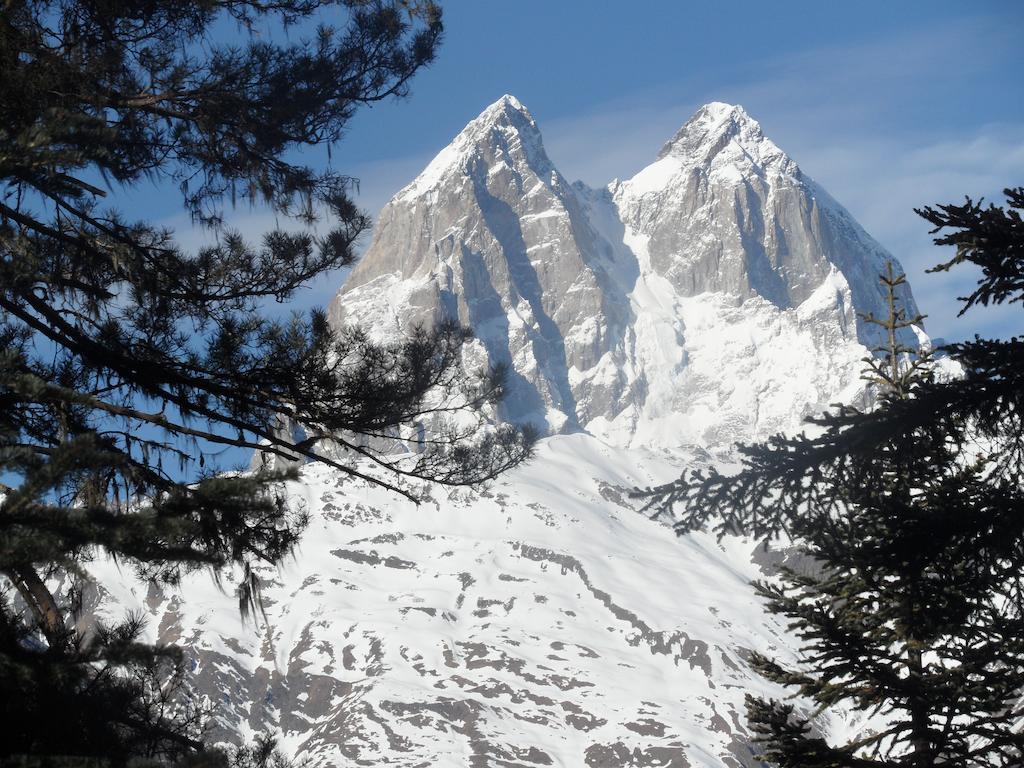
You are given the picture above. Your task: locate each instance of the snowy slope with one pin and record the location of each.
(542, 621)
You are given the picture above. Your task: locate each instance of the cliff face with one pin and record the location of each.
(712, 298)
(492, 234)
(725, 210)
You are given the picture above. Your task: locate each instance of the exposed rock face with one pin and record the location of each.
(724, 209)
(492, 234)
(712, 298)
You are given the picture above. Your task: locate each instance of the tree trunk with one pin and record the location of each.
(920, 741)
(34, 592)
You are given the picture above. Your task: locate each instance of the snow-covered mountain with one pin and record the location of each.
(543, 621)
(712, 298)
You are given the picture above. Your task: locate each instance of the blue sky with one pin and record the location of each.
(888, 105)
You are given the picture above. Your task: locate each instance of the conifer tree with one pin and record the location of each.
(914, 514)
(127, 363)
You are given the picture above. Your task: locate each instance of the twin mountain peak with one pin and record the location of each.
(714, 297)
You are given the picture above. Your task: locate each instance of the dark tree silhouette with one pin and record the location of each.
(127, 363)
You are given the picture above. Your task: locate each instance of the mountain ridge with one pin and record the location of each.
(583, 294)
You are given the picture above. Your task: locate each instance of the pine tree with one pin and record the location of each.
(128, 364)
(914, 514)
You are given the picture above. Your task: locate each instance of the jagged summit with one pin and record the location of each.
(721, 139)
(724, 209)
(506, 124)
(667, 310)
(492, 234)
(503, 105)
(711, 126)
(505, 114)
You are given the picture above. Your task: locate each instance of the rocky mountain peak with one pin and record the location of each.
(505, 127)
(723, 139)
(668, 311)
(506, 107)
(723, 209)
(711, 126)
(504, 118)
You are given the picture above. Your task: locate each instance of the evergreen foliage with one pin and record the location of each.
(913, 511)
(127, 363)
